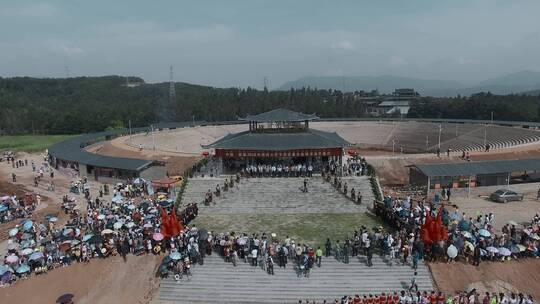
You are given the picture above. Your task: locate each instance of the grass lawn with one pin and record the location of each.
(309, 228)
(29, 143)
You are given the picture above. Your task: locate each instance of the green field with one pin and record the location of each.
(309, 228)
(29, 143)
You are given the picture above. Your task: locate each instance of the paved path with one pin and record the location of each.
(220, 282)
(277, 195)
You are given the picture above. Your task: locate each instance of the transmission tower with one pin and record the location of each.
(172, 90)
(265, 82)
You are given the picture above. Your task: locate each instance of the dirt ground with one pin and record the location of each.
(100, 281)
(522, 275)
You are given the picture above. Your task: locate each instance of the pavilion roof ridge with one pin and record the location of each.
(281, 115)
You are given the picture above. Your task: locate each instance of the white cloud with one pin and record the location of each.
(65, 49)
(396, 60)
(30, 10)
(346, 45)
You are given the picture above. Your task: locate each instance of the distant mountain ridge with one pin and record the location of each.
(503, 85)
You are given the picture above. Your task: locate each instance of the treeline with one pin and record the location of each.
(479, 106)
(89, 104)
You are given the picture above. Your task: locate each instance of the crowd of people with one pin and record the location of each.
(468, 238)
(13, 207)
(278, 170)
(130, 223)
(406, 297)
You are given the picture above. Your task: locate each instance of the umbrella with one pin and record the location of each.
(147, 225)
(27, 225)
(64, 246)
(53, 219)
(139, 180)
(27, 251)
(175, 255)
(118, 225)
(157, 236)
(504, 251)
(130, 224)
(452, 251)
(464, 225)
(3, 208)
(65, 298)
(13, 232)
(521, 248)
(23, 268)
(75, 242)
(26, 236)
(484, 233)
(513, 223)
(515, 249)
(101, 217)
(12, 259)
(466, 234)
(106, 231)
(131, 207)
(67, 231)
(469, 245)
(87, 237)
(4, 269)
(35, 256)
(492, 249)
(117, 199)
(12, 246)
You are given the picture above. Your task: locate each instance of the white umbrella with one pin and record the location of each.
(466, 234)
(106, 231)
(27, 251)
(101, 217)
(492, 249)
(505, 251)
(452, 251)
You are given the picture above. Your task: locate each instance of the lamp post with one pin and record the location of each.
(440, 131)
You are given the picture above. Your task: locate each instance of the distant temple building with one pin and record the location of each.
(279, 137)
(398, 103)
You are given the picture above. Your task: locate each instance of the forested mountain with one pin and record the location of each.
(88, 104)
(480, 106)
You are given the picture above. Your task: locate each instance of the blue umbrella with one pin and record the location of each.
(4, 269)
(23, 268)
(67, 231)
(484, 233)
(36, 256)
(175, 255)
(27, 225)
(87, 237)
(464, 225)
(53, 219)
(3, 208)
(13, 232)
(117, 199)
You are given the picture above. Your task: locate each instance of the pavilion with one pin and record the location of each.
(279, 136)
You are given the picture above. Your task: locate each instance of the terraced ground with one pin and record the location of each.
(277, 205)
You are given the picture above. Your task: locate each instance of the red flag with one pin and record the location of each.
(174, 222)
(425, 232)
(164, 223)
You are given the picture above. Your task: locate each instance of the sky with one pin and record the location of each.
(234, 43)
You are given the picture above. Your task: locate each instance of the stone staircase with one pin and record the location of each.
(219, 282)
(277, 195)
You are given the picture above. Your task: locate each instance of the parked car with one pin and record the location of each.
(505, 196)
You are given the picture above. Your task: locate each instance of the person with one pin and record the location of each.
(14, 178)
(328, 247)
(439, 152)
(414, 284)
(369, 256)
(476, 256)
(448, 193)
(270, 265)
(318, 255)
(538, 194)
